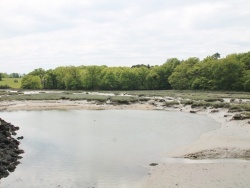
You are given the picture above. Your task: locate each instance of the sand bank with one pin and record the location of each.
(231, 141)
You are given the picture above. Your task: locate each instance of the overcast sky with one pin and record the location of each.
(52, 33)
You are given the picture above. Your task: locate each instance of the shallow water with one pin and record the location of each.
(108, 148)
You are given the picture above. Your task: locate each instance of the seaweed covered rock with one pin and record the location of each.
(9, 149)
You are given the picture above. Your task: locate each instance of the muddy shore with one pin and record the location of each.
(230, 141)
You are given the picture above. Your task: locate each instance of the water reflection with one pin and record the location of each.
(108, 148)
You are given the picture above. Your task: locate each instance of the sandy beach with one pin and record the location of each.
(230, 141)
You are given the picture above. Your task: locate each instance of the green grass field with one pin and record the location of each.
(10, 82)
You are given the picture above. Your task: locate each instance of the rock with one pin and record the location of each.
(153, 164)
(192, 111)
(11, 168)
(9, 149)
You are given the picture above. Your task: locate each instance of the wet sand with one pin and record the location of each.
(231, 141)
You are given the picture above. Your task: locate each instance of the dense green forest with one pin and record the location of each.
(211, 73)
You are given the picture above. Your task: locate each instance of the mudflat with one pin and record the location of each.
(230, 141)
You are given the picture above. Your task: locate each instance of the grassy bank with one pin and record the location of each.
(14, 83)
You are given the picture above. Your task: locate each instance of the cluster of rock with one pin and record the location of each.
(9, 148)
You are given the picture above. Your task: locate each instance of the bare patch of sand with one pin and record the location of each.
(199, 175)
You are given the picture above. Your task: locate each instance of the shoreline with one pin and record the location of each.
(231, 140)
(69, 105)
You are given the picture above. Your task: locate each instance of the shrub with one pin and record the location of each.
(4, 86)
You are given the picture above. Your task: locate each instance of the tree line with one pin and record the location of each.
(12, 75)
(211, 73)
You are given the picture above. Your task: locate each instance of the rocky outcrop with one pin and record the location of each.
(9, 148)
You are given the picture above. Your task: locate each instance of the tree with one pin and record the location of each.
(200, 83)
(128, 79)
(14, 75)
(31, 82)
(212, 73)
(153, 79)
(110, 79)
(40, 73)
(50, 81)
(184, 74)
(164, 72)
(228, 74)
(245, 58)
(216, 56)
(142, 73)
(203, 74)
(72, 79)
(247, 85)
(60, 73)
(92, 77)
(141, 65)
(246, 80)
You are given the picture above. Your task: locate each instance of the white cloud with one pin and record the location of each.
(50, 33)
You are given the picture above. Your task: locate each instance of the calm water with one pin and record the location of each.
(110, 148)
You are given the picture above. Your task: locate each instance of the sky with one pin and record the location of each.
(51, 33)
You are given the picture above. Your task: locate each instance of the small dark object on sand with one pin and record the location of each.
(153, 164)
(192, 111)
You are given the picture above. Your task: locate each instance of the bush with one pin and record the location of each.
(4, 86)
(31, 82)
